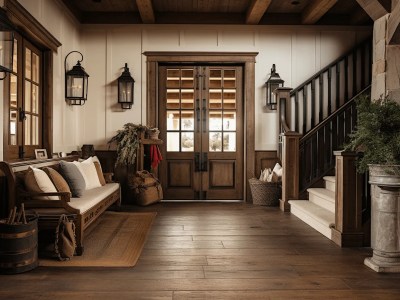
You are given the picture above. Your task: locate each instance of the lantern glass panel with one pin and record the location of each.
(75, 87)
(125, 91)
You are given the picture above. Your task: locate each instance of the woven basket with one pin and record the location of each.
(265, 193)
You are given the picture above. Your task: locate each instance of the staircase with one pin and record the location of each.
(315, 120)
(319, 210)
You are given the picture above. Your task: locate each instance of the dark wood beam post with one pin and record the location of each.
(146, 11)
(348, 231)
(290, 171)
(315, 10)
(373, 8)
(256, 11)
(393, 28)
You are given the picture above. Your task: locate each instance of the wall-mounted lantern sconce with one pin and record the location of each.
(76, 83)
(6, 44)
(126, 86)
(273, 82)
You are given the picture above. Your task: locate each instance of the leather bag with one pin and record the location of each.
(146, 187)
(65, 242)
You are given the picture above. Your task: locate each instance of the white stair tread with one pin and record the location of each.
(314, 211)
(330, 178)
(323, 193)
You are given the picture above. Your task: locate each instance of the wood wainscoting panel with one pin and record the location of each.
(265, 159)
(222, 173)
(180, 173)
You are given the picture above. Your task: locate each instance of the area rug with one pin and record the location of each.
(115, 241)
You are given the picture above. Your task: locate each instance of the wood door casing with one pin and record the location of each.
(189, 99)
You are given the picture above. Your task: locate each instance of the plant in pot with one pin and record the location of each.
(127, 143)
(377, 136)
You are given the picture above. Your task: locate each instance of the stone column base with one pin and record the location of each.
(382, 267)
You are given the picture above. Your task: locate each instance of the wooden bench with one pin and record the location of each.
(50, 210)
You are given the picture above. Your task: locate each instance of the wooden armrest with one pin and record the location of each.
(64, 196)
(108, 177)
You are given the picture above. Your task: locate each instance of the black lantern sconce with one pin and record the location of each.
(126, 85)
(273, 82)
(6, 44)
(76, 82)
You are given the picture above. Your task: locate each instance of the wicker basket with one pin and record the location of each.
(265, 193)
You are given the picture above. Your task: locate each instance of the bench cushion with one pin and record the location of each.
(91, 197)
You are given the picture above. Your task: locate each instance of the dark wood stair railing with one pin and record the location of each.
(317, 146)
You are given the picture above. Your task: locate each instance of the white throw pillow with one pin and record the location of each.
(89, 173)
(267, 173)
(278, 170)
(44, 183)
(95, 158)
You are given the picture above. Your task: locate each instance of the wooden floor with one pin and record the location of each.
(219, 251)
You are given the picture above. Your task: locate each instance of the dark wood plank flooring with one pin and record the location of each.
(219, 251)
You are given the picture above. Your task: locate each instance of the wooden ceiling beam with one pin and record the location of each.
(146, 11)
(315, 10)
(393, 28)
(373, 8)
(256, 11)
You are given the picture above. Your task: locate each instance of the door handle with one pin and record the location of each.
(204, 162)
(197, 162)
(204, 115)
(22, 115)
(198, 114)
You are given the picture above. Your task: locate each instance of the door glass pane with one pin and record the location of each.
(173, 76)
(215, 120)
(215, 79)
(187, 141)
(229, 141)
(35, 130)
(229, 121)
(187, 79)
(173, 141)
(215, 141)
(27, 96)
(28, 63)
(13, 127)
(229, 79)
(173, 120)
(13, 91)
(215, 98)
(172, 99)
(27, 133)
(229, 99)
(187, 120)
(35, 98)
(187, 98)
(15, 57)
(35, 68)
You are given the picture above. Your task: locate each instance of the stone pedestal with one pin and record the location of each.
(385, 219)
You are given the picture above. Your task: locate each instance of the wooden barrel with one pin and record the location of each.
(18, 247)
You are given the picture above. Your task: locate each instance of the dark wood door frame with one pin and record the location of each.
(247, 59)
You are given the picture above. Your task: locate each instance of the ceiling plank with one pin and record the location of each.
(146, 11)
(316, 9)
(393, 28)
(373, 8)
(256, 11)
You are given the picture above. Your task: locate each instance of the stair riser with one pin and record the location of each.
(329, 185)
(321, 228)
(322, 202)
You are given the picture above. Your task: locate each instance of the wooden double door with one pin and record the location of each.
(200, 116)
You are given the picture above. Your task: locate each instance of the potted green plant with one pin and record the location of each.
(377, 136)
(127, 143)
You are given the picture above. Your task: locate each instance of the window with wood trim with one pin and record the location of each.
(23, 107)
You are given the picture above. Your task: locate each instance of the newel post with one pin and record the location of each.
(290, 168)
(348, 230)
(289, 149)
